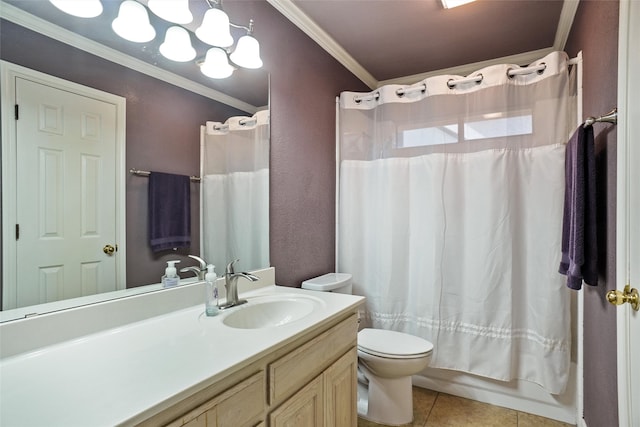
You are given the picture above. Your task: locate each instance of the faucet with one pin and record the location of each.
(231, 285)
(199, 272)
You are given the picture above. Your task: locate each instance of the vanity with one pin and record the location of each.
(287, 357)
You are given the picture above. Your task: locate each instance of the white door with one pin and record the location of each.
(628, 212)
(65, 188)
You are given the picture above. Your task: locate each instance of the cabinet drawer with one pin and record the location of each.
(289, 373)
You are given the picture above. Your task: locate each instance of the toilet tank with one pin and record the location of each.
(330, 282)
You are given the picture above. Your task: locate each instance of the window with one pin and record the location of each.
(486, 126)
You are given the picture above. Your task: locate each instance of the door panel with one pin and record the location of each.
(66, 154)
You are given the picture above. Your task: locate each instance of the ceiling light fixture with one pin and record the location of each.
(79, 8)
(177, 45)
(215, 28)
(247, 53)
(132, 23)
(216, 64)
(176, 11)
(449, 4)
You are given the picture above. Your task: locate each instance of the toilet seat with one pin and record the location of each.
(392, 344)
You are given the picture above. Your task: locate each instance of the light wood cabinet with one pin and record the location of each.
(305, 408)
(341, 391)
(309, 381)
(329, 400)
(241, 405)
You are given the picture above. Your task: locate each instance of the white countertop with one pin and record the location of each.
(114, 376)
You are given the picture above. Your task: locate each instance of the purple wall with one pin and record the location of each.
(162, 132)
(595, 32)
(305, 81)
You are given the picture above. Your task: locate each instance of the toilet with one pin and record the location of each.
(386, 362)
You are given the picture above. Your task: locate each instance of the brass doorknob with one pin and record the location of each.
(108, 249)
(629, 295)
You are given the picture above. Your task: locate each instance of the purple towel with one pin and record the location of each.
(579, 254)
(169, 211)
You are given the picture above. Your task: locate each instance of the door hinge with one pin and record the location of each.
(17, 231)
(17, 111)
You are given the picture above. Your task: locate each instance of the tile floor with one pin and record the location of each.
(433, 409)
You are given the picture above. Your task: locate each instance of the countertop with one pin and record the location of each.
(122, 375)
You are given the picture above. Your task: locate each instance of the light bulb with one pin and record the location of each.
(215, 29)
(79, 8)
(177, 45)
(132, 23)
(176, 11)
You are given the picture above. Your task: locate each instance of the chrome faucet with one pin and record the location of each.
(198, 271)
(231, 285)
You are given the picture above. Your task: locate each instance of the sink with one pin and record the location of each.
(271, 311)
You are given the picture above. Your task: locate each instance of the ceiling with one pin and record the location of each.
(403, 41)
(380, 41)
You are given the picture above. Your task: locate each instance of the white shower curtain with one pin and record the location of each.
(450, 211)
(235, 192)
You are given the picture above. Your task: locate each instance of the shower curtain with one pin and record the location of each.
(450, 210)
(235, 192)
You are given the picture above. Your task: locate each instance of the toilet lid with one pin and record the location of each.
(392, 344)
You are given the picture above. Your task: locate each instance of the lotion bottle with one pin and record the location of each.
(211, 289)
(170, 278)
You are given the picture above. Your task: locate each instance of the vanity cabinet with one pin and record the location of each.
(329, 400)
(309, 381)
(241, 405)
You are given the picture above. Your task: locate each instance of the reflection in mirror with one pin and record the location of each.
(235, 189)
(164, 113)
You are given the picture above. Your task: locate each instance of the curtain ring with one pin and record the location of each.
(481, 79)
(542, 70)
(449, 85)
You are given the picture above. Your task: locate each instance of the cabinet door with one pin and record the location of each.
(202, 421)
(341, 391)
(305, 408)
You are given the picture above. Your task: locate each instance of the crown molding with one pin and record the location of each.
(317, 34)
(464, 70)
(313, 30)
(46, 28)
(568, 13)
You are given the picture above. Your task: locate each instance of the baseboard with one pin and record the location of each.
(517, 395)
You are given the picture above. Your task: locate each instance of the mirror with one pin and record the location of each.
(164, 112)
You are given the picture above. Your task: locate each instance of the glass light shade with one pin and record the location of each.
(215, 29)
(216, 65)
(79, 8)
(132, 23)
(449, 4)
(247, 53)
(177, 45)
(176, 11)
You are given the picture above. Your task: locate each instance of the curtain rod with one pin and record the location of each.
(139, 172)
(511, 72)
(610, 117)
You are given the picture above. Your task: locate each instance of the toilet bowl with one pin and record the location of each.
(386, 362)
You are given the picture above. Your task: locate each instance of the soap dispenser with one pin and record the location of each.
(211, 289)
(170, 278)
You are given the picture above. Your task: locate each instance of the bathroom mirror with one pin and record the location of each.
(167, 142)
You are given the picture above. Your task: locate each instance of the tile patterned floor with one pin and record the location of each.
(433, 409)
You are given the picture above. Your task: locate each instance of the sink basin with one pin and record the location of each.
(271, 311)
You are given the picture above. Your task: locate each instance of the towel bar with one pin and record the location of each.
(139, 172)
(610, 117)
